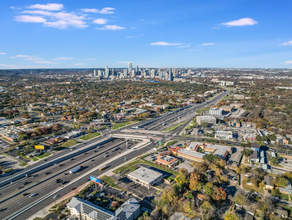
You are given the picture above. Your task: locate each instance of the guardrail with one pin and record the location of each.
(51, 162)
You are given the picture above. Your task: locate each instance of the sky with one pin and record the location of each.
(148, 33)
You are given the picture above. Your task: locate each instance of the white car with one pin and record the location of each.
(32, 195)
(55, 196)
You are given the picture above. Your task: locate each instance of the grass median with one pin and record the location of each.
(89, 136)
(122, 124)
(174, 127)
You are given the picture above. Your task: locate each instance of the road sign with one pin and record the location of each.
(39, 147)
(94, 179)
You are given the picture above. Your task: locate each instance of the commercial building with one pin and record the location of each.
(84, 210)
(208, 119)
(196, 151)
(145, 177)
(223, 134)
(216, 111)
(167, 160)
(226, 108)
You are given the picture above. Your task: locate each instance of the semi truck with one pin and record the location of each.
(76, 169)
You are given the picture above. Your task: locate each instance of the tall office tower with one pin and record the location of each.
(170, 76)
(106, 72)
(99, 73)
(152, 73)
(161, 74)
(133, 74)
(94, 73)
(130, 67)
(137, 69)
(113, 73)
(125, 72)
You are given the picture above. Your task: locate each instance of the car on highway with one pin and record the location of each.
(73, 158)
(73, 188)
(3, 209)
(18, 188)
(60, 165)
(66, 173)
(25, 194)
(32, 195)
(58, 180)
(25, 183)
(56, 164)
(106, 155)
(95, 151)
(47, 173)
(65, 181)
(55, 196)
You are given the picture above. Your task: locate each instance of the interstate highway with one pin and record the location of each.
(81, 181)
(13, 199)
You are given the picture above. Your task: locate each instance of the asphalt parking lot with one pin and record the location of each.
(140, 191)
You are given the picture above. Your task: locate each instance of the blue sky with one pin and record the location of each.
(152, 33)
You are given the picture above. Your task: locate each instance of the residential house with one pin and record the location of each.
(67, 118)
(254, 157)
(255, 147)
(287, 189)
(268, 180)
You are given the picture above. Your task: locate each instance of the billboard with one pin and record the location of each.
(94, 179)
(39, 147)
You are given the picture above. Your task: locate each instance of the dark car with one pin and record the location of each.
(73, 188)
(60, 165)
(25, 194)
(19, 187)
(72, 158)
(65, 181)
(47, 173)
(25, 183)
(58, 180)
(3, 209)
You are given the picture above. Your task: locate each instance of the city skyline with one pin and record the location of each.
(66, 34)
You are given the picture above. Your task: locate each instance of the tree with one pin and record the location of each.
(282, 182)
(231, 216)
(207, 209)
(247, 152)
(189, 195)
(219, 194)
(195, 183)
(208, 188)
(262, 184)
(182, 177)
(57, 127)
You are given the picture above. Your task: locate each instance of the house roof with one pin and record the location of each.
(126, 210)
(254, 145)
(145, 175)
(254, 155)
(268, 180)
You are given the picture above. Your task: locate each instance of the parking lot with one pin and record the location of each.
(3, 145)
(7, 162)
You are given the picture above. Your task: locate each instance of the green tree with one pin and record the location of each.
(208, 188)
(282, 182)
(231, 216)
(205, 124)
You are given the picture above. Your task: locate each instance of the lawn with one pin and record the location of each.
(110, 181)
(102, 128)
(22, 164)
(125, 167)
(174, 127)
(35, 159)
(119, 125)
(89, 136)
(66, 144)
(202, 110)
(9, 170)
(43, 155)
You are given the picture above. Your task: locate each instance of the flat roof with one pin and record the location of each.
(145, 175)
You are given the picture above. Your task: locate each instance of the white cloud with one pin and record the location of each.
(184, 46)
(208, 44)
(45, 62)
(289, 62)
(93, 10)
(78, 64)
(59, 20)
(90, 59)
(33, 58)
(106, 10)
(165, 44)
(31, 19)
(22, 56)
(111, 27)
(289, 43)
(100, 21)
(48, 7)
(63, 58)
(3, 53)
(140, 35)
(38, 12)
(240, 22)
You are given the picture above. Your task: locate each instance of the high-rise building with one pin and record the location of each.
(130, 68)
(137, 69)
(99, 72)
(113, 73)
(170, 76)
(106, 72)
(161, 74)
(94, 73)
